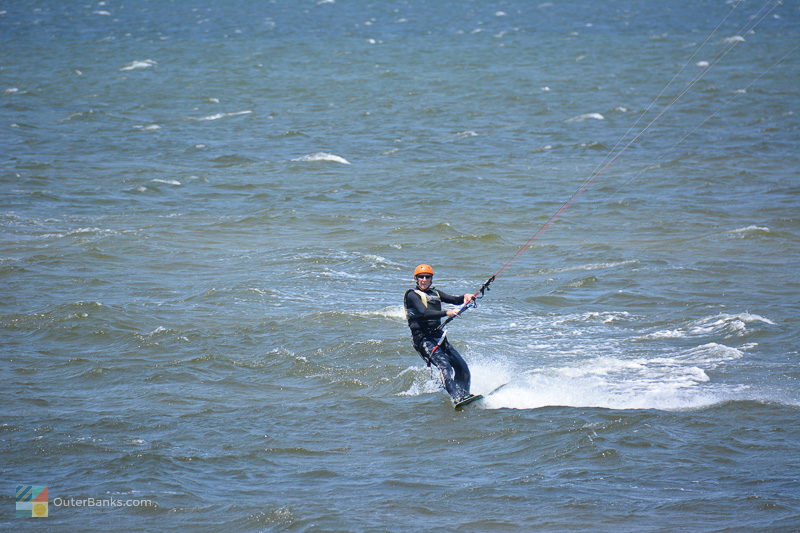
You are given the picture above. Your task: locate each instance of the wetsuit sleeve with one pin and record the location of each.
(455, 300)
(417, 309)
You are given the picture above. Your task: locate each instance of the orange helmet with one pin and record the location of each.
(423, 269)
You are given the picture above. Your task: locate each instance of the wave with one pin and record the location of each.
(230, 160)
(543, 391)
(727, 325)
(91, 114)
(606, 317)
(669, 383)
(590, 266)
(217, 116)
(338, 274)
(711, 354)
(166, 182)
(586, 116)
(488, 237)
(750, 231)
(721, 325)
(395, 312)
(45, 320)
(733, 39)
(139, 64)
(83, 232)
(422, 382)
(322, 156)
(669, 380)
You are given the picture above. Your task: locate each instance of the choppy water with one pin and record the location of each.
(210, 212)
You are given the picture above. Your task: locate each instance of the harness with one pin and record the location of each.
(421, 322)
(422, 296)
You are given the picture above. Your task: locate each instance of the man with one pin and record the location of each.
(423, 306)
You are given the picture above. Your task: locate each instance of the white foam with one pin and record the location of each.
(422, 384)
(600, 366)
(721, 325)
(379, 259)
(734, 39)
(88, 231)
(338, 274)
(587, 116)
(666, 383)
(396, 312)
(729, 325)
(322, 156)
(702, 64)
(665, 334)
(591, 266)
(149, 127)
(542, 391)
(750, 230)
(709, 354)
(606, 317)
(217, 116)
(85, 230)
(139, 64)
(167, 182)
(489, 374)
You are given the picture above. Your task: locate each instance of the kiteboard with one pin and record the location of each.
(468, 400)
(497, 389)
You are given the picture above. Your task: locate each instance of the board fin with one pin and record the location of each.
(467, 400)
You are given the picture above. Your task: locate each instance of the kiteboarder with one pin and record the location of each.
(423, 306)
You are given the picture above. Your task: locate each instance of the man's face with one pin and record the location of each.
(424, 281)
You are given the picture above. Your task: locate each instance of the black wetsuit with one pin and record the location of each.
(423, 319)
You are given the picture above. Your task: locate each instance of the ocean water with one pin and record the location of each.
(211, 210)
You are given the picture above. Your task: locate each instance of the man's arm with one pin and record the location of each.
(455, 300)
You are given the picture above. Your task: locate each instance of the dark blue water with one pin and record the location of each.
(210, 213)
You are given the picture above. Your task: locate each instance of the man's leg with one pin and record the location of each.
(462, 375)
(453, 369)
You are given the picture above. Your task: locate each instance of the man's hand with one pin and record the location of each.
(467, 299)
